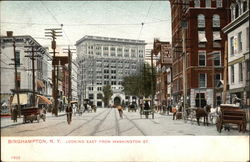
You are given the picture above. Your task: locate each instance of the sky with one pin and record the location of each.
(119, 19)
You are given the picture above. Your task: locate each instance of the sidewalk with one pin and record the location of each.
(7, 122)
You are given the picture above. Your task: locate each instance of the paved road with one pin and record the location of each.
(106, 122)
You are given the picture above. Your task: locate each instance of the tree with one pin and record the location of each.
(139, 84)
(107, 93)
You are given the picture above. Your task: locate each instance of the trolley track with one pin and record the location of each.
(99, 124)
(139, 129)
(87, 122)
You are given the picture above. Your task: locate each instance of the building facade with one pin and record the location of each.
(24, 68)
(103, 61)
(198, 50)
(163, 68)
(238, 51)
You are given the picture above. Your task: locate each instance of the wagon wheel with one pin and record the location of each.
(38, 118)
(185, 117)
(219, 124)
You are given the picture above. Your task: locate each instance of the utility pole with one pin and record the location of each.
(54, 33)
(69, 77)
(152, 80)
(184, 79)
(16, 83)
(32, 57)
(225, 75)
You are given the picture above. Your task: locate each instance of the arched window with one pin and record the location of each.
(232, 12)
(236, 11)
(201, 21)
(245, 6)
(216, 21)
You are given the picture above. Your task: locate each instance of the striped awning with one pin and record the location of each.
(40, 84)
(43, 100)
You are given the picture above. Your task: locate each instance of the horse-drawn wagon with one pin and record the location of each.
(147, 110)
(231, 114)
(31, 114)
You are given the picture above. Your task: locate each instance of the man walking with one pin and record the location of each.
(69, 113)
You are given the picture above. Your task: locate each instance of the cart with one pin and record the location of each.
(231, 114)
(147, 113)
(31, 114)
(189, 114)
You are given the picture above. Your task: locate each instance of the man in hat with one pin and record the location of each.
(69, 113)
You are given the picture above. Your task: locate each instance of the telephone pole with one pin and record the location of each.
(16, 79)
(32, 57)
(53, 33)
(69, 68)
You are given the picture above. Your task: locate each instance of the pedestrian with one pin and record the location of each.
(15, 114)
(69, 113)
(120, 110)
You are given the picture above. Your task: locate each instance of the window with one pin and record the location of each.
(232, 74)
(232, 12)
(202, 58)
(91, 88)
(202, 36)
(236, 10)
(99, 95)
(106, 76)
(105, 48)
(216, 21)
(216, 36)
(240, 72)
(106, 82)
(218, 3)
(202, 81)
(239, 42)
(112, 48)
(232, 46)
(217, 58)
(17, 59)
(245, 6)
(201, 21)
(99, 88)
(196, 3)
(91, 96)
(247, 38)
(217, 79)
(208, 3)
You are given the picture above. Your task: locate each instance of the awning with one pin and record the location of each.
(23, 98)
(43, 100)
(73, 102)
(39, 84)
(202, 36)
(216, 36)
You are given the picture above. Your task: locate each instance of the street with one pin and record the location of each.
(106, 122)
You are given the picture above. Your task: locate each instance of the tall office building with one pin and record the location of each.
(103, 61)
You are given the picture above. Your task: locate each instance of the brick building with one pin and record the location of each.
(198, 40)
(163, 67)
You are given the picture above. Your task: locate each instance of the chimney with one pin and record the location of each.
(9, 33)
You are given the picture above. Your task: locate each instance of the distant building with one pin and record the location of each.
(238, 51)
(163, 68)
(103, 61)
(74, 81)
(198, 50)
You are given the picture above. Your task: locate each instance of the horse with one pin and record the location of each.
(214, 114)
(203, 112)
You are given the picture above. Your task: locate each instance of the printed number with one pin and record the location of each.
(15, 157)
